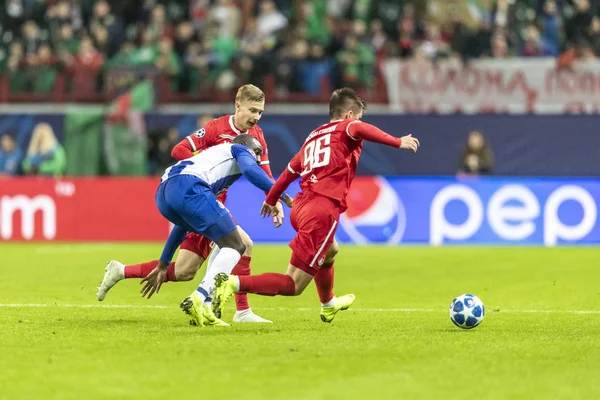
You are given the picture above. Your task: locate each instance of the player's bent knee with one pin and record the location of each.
(241, 248)
(187, 265)
(232, 240)
(247, 241)
(299, 290)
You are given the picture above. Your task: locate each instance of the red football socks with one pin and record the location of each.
(269, 284)
(142, 270)
(324, 283)
(242, 268)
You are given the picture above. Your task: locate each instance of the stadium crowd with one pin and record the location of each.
(204, 45)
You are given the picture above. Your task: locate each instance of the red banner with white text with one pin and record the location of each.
(499, 86)
(81, 209)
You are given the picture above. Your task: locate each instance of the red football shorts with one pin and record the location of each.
(315, 219)
(197, 243)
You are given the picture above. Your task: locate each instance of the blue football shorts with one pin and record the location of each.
(188, 201)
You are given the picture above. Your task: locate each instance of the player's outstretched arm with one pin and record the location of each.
(250, 169)
(361, 130)
(156, 277)
(288, 176)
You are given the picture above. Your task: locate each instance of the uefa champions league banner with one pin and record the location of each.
(444, 211)
(394, 211)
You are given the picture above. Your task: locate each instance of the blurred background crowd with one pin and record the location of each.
(216, 45)
(55, 51)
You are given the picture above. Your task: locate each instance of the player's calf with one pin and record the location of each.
(247, 242)
(187, 265)
(332, 253)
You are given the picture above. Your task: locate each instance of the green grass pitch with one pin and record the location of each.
(540, 338)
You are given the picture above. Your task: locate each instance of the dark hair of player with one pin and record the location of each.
(249, 141)
(344, 100)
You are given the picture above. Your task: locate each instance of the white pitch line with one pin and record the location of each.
(382, 310)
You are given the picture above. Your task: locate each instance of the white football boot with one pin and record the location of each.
(247, 316)
(115, 271)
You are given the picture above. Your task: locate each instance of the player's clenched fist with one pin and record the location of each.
(410, 143)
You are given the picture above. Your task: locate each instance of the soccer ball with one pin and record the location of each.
(466, 311)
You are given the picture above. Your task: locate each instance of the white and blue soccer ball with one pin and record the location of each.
(466, 311)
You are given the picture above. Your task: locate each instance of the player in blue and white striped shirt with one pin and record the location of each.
(187, 197)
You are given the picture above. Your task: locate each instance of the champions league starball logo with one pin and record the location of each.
(375, 213)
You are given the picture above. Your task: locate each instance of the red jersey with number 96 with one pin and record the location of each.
(328, 159)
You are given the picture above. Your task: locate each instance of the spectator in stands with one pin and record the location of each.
(357, 62)
(198, 13)
(42, 70)
(433, 44)
(31, 39)
(227, 16)
(87, 65)
(477, 156)
(577, 27)
(159, 26)
(216, 43)
(389, 12)
(101, 42)
(10, 155)
(18, 78)
(124, 58)
(168, 62)
(45, 155)
(184, 35)
(314, 70)
(66, 43)
(595, 35)
(146, 53)
(535, 46)
(378, 37)
(551, 24)
(499, 46)
(270, 20)
(57, 16)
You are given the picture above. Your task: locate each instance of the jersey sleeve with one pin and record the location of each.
(289, 175)
(264, 158)
(250, 168)
(358, 130)
(175, 238)
(200, 139)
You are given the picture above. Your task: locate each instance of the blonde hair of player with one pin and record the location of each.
(249, 107)
(249, 93)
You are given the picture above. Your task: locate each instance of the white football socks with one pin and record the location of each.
(223, 262)
(330, 303)
(209, 265)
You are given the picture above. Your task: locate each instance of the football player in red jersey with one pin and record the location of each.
(194, 250)
(326, 165)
